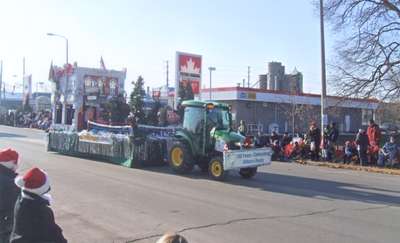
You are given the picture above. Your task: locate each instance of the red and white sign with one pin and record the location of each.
(188, 71)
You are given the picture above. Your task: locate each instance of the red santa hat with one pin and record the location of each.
(9, 159)
(35, 181)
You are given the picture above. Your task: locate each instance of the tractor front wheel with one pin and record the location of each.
(248, 173)
(216, 168)
(180, 158)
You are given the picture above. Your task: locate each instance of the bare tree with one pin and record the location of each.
(388, 112)
(368, 49)
(298, 116)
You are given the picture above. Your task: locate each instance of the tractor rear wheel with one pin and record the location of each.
(180, 158)
(216, 168)
(248, 173)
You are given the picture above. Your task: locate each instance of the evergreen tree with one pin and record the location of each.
(152, 118)
(116, 110)
(182, 91)
(185, 91)
(189, 92)
(136, 100)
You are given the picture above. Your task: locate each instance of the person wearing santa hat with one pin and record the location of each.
(8, 192)
(33, 218)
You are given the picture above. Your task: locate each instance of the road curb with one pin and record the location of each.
(351, 167)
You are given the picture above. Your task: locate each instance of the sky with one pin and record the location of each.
(141, 35)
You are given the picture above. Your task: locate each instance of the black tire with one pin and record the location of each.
(248, 173)
(180, 158)
(216, 168)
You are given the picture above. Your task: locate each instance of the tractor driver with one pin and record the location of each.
(214, 119)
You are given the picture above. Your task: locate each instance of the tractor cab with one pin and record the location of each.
(207, 122)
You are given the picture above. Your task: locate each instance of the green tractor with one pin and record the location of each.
(208, 141)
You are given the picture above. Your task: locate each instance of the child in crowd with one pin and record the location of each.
(33, 217)
(350, 150)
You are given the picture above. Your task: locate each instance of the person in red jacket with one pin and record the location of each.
(374, 137)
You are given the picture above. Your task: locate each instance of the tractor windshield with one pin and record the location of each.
(193, 119)
(219, 118)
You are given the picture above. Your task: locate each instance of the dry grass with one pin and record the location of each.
(373, 169)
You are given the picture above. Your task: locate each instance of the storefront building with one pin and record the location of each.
(267, 111)
(79, 92)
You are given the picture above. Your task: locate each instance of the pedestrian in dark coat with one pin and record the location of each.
(274, 138)
(332, 134)
(242, 129)
(8, 192)
(33, 218)
(362, 146)
(314, 135)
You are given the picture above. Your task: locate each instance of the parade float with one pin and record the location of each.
(84, 103)
(113, 144)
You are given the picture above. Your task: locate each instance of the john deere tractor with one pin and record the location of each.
(208, 141)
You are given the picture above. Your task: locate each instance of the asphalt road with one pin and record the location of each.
(100, 202)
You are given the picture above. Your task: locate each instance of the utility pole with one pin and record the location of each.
(248, 76)
(324, 118)
(244, 83)
(23, 84)
(167, 75)
(23, 67)
(211, 69)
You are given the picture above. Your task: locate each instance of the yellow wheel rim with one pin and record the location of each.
(177, 156)
(216, 168)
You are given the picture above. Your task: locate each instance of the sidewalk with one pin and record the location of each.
(373, 169)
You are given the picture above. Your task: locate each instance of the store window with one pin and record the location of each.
(100, 83)
(58, 115)
(70, 114)
(367, 115)
(347, 121)
(113, 87)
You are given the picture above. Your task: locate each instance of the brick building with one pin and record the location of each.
(268, 110)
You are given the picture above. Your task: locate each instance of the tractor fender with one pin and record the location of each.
(181, 136)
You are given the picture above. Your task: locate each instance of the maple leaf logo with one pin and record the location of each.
(190, 67)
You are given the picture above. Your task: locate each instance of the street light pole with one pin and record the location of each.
(66, 67)
(66, 43)
(323, 67)
(211, 70)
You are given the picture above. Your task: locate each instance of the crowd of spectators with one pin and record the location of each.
(364, 149)
(41, 120)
